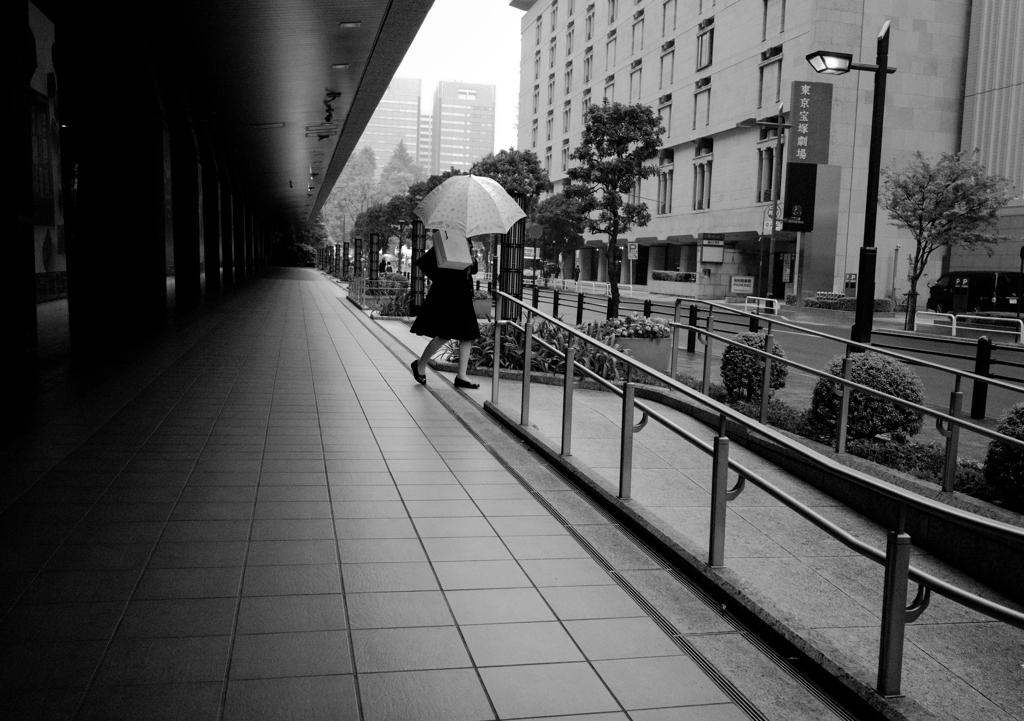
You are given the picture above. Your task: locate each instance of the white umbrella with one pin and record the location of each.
(471, 205)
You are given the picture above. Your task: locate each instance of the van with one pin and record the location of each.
(976, 291)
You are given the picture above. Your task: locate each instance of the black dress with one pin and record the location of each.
(447, 311)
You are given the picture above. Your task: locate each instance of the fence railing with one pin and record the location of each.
(896, 556)
(974, 323)
(753, 304)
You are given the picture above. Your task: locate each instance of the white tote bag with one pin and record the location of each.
(452, 250)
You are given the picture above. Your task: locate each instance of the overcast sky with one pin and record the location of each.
(473, 41)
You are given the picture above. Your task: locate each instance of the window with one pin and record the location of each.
(536, 66)
(552, 52)
(588, 68)
(540, 27)
(665, 190)
(668, 16)
(547, 162)
(769, 88)
(568, 79)
(565, 158)
(635, 79)
(533, 135)
(588, 27)
(766, 167)
(548, 126)
(465, 94)
(609, 57)
(536, 98)
(586, 107)
(702, 184)
(702, 107)
(572, 7)
(565, 118)
(613, 6)
(634, 194)
(705, 42)
(554, 15)
(568, 40)
(774, 16)
(638, 37)
(668, 69)
(42, 159)
(665, 113)
(609, 91)
(551, 91)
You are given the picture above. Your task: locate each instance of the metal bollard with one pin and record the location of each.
(524, 413)
(691, 335)
(608, 314)
(894, 610)
(706, 377)
(579, 308)
(536, 292)
(626, 446)
(570, 371)
(478, 285)
(674, 353)
(496, 361)
(647, 308)
(719, 489)
(766, 381)
(554, 302)
(755, 324)
(844, 405)
(952, 436)
(982, 367)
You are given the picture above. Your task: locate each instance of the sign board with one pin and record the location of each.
(634, 251)
(766, 219)
(711, 236)
(801, 185)
(529, 252)
(741, 284)
(811, 115)
(712, 251)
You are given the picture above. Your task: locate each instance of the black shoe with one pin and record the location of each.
(459, 383)
(422, 380)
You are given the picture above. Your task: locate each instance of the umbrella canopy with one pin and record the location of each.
(471, 205)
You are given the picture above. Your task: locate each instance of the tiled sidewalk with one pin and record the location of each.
(268, 519)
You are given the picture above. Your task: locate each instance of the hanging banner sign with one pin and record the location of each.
(811, 116)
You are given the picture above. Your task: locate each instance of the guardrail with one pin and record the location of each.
(758, 305)
(896, 557)
(976, 323)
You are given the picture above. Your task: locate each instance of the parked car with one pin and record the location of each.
(975, 291)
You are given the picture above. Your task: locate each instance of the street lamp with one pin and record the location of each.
(779, 126)
(833, 63)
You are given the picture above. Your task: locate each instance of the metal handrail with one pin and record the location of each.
(896, 558)
(981, 430)
(854, 344)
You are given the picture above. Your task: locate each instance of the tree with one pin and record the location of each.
(517, 171)
(952, 202)
(354, 192)
(400, 172)
(618, 141)
(563, 224)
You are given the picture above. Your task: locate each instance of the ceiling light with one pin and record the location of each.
(341, 66)
(828, 62)
(350, 24)
(266, 126)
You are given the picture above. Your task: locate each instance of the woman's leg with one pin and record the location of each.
(432, 347)
(465, 346)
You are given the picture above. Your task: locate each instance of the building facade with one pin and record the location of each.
(423, 150)
(397, 118)
(463, 125)
(707, 65)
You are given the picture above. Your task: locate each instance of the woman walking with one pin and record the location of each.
(446, 314)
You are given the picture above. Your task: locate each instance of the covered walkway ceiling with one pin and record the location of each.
(257, 73)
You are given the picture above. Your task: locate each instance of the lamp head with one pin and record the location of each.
(828, 62)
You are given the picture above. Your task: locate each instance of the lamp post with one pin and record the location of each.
(832, 63)
(779, 126)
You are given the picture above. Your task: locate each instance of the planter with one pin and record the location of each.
(482, 307)
(653, 352)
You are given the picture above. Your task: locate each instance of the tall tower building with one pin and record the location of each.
(396, 118)
(463, 125)
(423, 151)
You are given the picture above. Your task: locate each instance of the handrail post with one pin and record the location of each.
(497, 358)
(674, 353)
(706, 378)
(844, 405)
(956, 403)
(608, 311)
(982, 367)
(535, 295)
(626, 447)
(691, 335)
(570, 371)
(647, 307)
(719, 488)
(579, 308)
(766, 382)
(524, 413)
(554, 303)
(894, 610)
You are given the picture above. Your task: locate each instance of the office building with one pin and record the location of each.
(397, 118)
(463, 125)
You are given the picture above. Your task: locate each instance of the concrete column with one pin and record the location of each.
(238, 205)
(211, 227)
(250, 258)
(187, 197)
(227, 240)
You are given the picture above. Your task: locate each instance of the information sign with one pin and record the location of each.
(811, 109)
(634, 251)
(741, 284)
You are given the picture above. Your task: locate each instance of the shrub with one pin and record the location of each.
(869, 415)
(743, 372)
(780, 414)
(674, 276)
(1004, 464)
(791, 299)
(395, 303)
(630, 326)
(837, 301)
